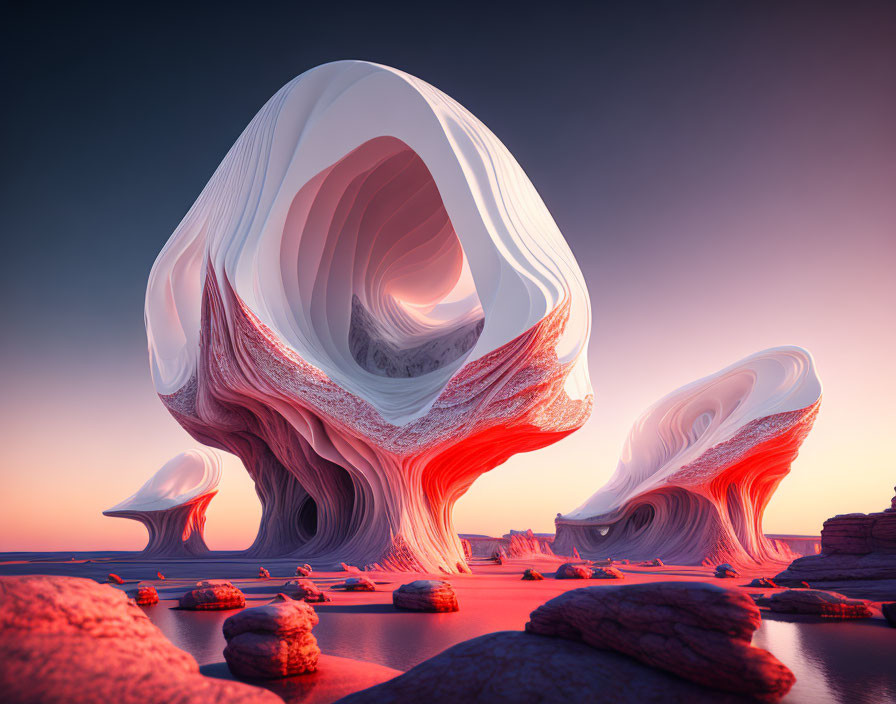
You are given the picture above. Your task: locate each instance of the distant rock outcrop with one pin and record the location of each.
(66, 639)
(854, 546)
(271, 641)
(425, 595)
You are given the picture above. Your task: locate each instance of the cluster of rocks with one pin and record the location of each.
(431, 595)
(303, 570)
(213, 596)
(272, 641)
(726, 571)
(568, 570)
(305, 590)
(670, 641)
(67, 639)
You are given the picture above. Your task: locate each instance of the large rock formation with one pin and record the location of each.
(172, 504)
(607, 644)
(66, 639)
(370, 305)
(700, 466)
(854, 546)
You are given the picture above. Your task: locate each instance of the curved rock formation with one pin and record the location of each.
(172, 504)
(700, 466)
(370, 305)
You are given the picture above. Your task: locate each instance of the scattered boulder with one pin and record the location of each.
(432, 595)
(213, 596)
(726, 571)
(146, 596)
(159, 575)
(272, 641)
(606, 573)
(67, 639)
(570, 571)
(816, 602)
(889, 611)
(697, 631)
(763, 583)
(532, 575)
(348, 568)
(305, 590)
(302, 572)
(263, 573)
(359, 584)
(114, 578)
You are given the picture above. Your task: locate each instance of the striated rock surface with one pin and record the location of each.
(305, 590)
(359, 584)
(524, 543)
(364, 354)
(67, 640)
(700, 632)
(425, 595)
(146, 596)
(700, 466)
(532, 575)
(271, 641)
(172, 504)
(467, 547)
(816, 602)
(213, 596)
(570, 571)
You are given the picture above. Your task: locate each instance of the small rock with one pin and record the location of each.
(302, 572)
(159, 575)
(146, 596)
(889, 611)
(763, 583)
(656, 562)
(430, 595)
(263, 573)
(818, 603)
(570, 571)
(272, 641)
(802, 585)
(114, 578)
(348, 568)
(219, 596)
(726, 571)
(532, 575)
(359, 584)
(606, 573)
(305, 590)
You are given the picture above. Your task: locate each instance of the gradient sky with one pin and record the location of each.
(725, 174)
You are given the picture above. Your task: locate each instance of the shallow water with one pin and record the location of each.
(834, 661)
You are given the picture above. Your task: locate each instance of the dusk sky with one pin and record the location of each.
(725, 174)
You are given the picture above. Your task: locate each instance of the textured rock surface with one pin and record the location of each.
(763, 583)
(700, 466)
(219, 596)
(524, 543)
(532, 575)
(172, 504)
(726, 571)
(425, 595)
(817, 603)
(66, 640)
(146, 596)
(570, 571)
(272, 641)
(606, 573)
(366, 356)
(467, 548)
(306, 590)
(517, 668)
(698, 631)
(359, 584)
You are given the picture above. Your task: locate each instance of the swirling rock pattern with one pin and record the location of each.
(700, 466)
(370, 305)
(172, 504)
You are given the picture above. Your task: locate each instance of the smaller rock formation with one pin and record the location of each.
(267, 642)
(114, 578)
(359, 584)
(763, 583)
(699, 631)
(726, 571)
(305, 590)
(816, 602)
(467, 548)
(172, 504)
(532, 575)
(67, 640)
(524, 543)
(606, 573)
(146, 596)
(160, 576)
(213, 596)
(303, 571)
(430, 595)
(570, 571)
(263, 573)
